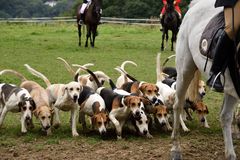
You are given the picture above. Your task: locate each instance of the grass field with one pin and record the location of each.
(40, 44)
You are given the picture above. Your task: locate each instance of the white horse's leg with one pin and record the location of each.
(185, 69)
(226, 121)
(178, 107)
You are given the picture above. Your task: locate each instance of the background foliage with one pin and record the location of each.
(111, 8)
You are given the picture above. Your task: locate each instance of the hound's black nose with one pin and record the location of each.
(103, 133)
(154, 99)
(28, 117)
(202, 119)
(137, 113)
(47, 127)
(145, 132)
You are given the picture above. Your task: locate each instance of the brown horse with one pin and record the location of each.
(91, 19)
(170, 21)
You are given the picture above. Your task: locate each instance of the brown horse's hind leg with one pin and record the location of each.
(172, 40)
(87, 35)
(94, 31)
(163, 37)
(79, 35)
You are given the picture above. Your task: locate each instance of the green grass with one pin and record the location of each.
(40, 44)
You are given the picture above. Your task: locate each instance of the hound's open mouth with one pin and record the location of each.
(75, 98)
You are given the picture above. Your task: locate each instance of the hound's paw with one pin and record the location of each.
(49, 132)
(119, 137)
(149, 135)
(169, 128)
(186, 129)
(56, 125)
(75, 134)
(206, 126)
(236, 135)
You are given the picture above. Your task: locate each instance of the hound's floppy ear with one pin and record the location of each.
(126, 100)
(145, 101)
(37, 112)
(20, 105)
(33, 104)
(91, 78)
(207, 109)
(95, 107)
(154, 110)
(142, 86)
(64, 89)
(93, 119)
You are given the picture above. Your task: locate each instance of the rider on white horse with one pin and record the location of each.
(84, 5)
(225, 42)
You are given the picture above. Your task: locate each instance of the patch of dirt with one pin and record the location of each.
(194, 146)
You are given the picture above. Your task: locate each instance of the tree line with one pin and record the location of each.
(111, 8)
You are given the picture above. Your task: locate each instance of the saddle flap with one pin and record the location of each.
(210, 35)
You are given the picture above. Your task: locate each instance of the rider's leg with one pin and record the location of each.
(224, 45)
(84, 5)
(161, 16)
(162, 13)
(228, 21)
(179, 19)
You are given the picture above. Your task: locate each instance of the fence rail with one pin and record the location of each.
(73, 19)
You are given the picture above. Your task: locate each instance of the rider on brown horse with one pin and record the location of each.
(84, 6)
(177, 9)
(225, 44)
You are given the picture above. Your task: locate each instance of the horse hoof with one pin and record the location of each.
(176, 155)
(231, 157)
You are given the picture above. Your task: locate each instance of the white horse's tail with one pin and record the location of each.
(192, 92)
(38, 74)
(10, 71)
(67, 66)
(160, 77)
(193, 2)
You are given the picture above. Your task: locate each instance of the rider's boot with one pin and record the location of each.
(81, 19)
(224, 46)
(161, 20)
(179, 20)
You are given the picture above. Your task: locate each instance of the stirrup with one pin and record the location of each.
(211, 82)
(80, 22)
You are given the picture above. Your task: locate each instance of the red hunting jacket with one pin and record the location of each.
(176, 6)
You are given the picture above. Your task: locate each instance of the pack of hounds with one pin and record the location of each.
(141, 104)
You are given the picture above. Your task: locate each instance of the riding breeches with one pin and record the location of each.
(176, 9)
(84, 5)
(228, 13)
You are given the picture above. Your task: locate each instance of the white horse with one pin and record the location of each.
(188, 60)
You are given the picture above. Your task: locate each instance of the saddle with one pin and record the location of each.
(208, 44)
